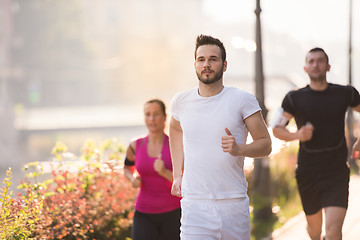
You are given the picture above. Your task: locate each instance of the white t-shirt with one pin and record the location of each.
(210, 173)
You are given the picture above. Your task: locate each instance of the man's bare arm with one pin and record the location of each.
(177, 155)
(303, 134)
(261, 145)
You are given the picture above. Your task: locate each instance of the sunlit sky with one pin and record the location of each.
(308, 20)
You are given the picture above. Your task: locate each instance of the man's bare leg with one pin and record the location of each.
(334, 219)
(314, 225)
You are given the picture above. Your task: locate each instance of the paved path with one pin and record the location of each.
(295, 228)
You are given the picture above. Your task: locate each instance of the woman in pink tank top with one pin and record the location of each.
(148, 166)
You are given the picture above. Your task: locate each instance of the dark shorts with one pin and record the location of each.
(323, 189)
(162, 226)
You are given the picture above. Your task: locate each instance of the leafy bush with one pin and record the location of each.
(19, 215)
(285, 198)
(83, 199)
(283, 166)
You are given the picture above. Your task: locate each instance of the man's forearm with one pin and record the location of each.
(284, 134)
(258, 148)
(177, 157)
(177, 152)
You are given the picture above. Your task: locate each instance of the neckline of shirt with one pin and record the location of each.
(319, 91)
(215, 96)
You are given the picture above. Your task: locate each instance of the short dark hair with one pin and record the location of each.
(317, 49)
(160, 102)
(209, 40)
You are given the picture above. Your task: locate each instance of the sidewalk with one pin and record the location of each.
(295, 228)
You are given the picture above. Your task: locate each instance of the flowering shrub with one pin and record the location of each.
(94, 201)
(19, 215)
(283, 166)
(282, 170)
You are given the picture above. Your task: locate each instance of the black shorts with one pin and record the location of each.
(157, 226)
(323, 189)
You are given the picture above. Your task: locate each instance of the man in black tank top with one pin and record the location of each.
(322, 174)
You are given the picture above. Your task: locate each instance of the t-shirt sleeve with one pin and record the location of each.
(250, 105)
(355, 97)
(288, 105)
(174, 107)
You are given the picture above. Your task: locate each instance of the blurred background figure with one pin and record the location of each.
(148, 166)
(323, 172)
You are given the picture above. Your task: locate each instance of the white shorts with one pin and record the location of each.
(223, 219)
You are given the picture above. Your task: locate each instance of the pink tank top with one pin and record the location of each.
(155, 191)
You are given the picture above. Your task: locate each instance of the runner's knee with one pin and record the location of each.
(314, 232)
(333, 232)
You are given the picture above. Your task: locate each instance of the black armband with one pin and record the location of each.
(127, 162)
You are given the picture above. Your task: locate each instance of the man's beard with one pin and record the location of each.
(206, 80)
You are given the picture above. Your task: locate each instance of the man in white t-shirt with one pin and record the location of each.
(208, 132)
